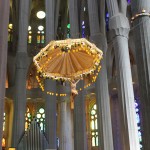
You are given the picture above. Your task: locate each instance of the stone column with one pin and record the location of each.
(119, 29)
(50, 85)
(102, 94)
(115, 114)
(80, 135)
(21, 73)
(50, 114)
(66, 132)
(66, 120)
(57, 15)
(141, 31)
(4, 17)
(74, 20)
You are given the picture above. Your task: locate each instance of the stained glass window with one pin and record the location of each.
(83, 29)
(4, 124)
(138, 122)
(107, 21)
(40, 116)
(30, 37)
(3, 142)
(40, 37)
(68, 31)
(129, 1)
(94, 126)
(4, 121)
(28, 119)
(10, 31)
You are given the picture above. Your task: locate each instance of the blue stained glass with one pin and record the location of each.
(138, 118)
(82, 22)
(129, 1)
(83, 29)
(107, 15)
(138, 122)
(107, 21)
(136, 104)
(137, 110)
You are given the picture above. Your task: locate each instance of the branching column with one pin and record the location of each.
(141, 30)
(119, 29)
(50, 85)
(4, 17)
(21, 73)
(102, 95)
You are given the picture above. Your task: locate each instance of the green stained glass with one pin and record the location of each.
(41, 110)
(95, 107)
(93, 141)
(43, 115)
(42, 39)
(93, 112)
(38, 116)
(68, 26)
(94, 126)
(28, 115)
(41, 118)
(41, 125)
(97, 141)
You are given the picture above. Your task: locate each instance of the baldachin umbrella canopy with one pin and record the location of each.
(69, 59)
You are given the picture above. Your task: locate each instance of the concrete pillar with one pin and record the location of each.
(4, 17)
(141, 31)
(21, 73)
(119, 30)
(116, 127)
(50, 20)
(102, 94)
(66, 135)
(50, 85)
(80, 135)
(50, 114)
(74, 20)
(66, 124)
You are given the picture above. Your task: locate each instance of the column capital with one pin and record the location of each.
(21, 60)
(119, 25)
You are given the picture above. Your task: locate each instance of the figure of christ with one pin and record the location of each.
(74, 92)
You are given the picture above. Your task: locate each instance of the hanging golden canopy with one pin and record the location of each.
(69, 59)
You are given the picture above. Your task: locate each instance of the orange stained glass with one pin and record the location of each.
(3, 142)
